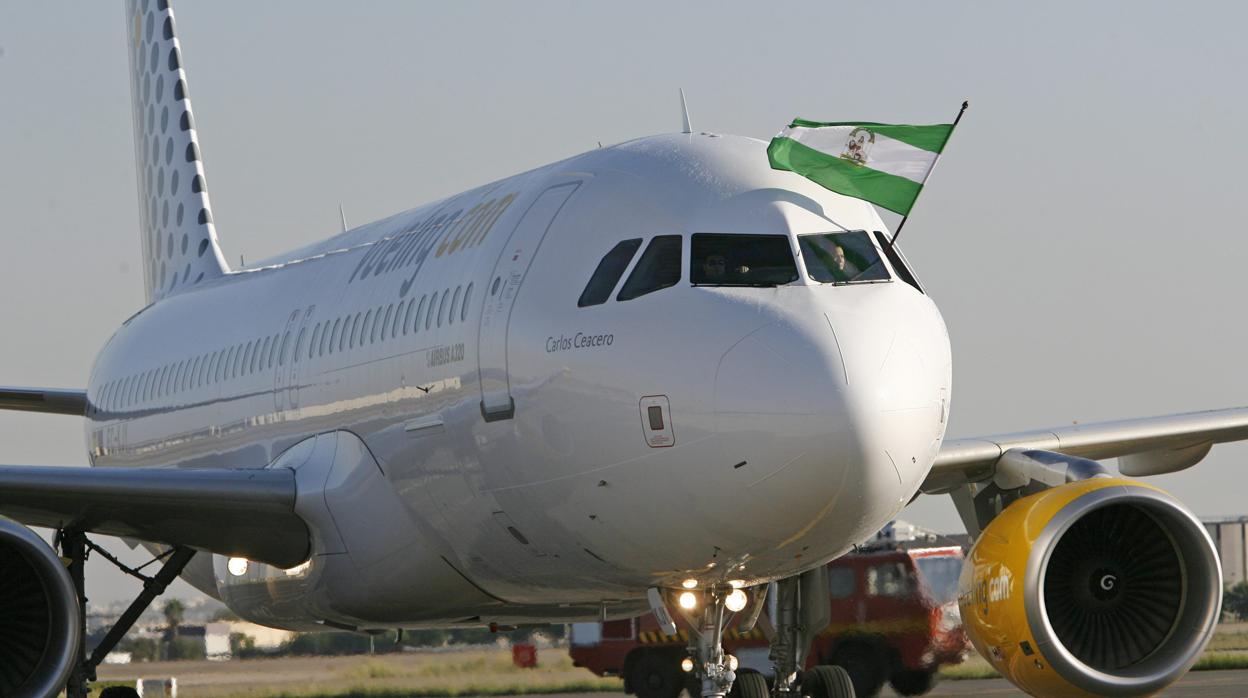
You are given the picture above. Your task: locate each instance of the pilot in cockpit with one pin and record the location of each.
(843, 269)
(714, 267)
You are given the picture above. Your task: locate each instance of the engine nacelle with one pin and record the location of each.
(39, 621)
(1103, 587)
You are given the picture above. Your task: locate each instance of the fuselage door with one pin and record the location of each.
(500, 297)
(283, 347)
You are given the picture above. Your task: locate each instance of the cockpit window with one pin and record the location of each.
(741, 260)
(842, 257)
(608, 273)
(658, 268)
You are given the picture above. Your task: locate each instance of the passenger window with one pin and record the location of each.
(839, 258)
(428, 310)
(299, 345)
(463, 312)
(658, 268)
(407, 316)
(741, 260)
(442, 306)
(348, 326)
(316, 339)
(450, 318)
(281, 354)
(898, 260)
(841, 582)
(610, 268)
(385, 324)
(889, 579)
(333, 335)
(379, 327)
(368, 322)
(398, 320)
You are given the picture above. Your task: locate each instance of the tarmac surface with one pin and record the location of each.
(1205, 684)
(1197, 684)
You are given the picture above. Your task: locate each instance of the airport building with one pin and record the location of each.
(1230, 540)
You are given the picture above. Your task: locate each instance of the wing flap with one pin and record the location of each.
(240, 513)
(1164, 444)
(50, 400)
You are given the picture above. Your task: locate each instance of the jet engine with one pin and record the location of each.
(1104, 587)
(39, 621)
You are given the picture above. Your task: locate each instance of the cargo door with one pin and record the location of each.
(500, 297)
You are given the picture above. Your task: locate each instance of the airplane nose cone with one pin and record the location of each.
(897, 372)
(836, 415)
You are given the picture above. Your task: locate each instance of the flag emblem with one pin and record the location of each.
(885, 164)
(858, 145)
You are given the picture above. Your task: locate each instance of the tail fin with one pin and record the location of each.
(180, 246)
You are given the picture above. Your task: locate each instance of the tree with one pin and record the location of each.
(175, 610)
(1235, 600)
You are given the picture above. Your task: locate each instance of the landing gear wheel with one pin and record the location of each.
(827, 682)
(119, 692)
(912, 682)
(655, 675)
(749, 684)
(865, 667)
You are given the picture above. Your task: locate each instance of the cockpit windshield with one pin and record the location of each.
(741, 260)
(842, 257)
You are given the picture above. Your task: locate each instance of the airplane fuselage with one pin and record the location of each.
(541, 459)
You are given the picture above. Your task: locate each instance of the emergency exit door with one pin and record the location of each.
(500, 297)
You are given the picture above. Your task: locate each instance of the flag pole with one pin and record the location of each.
(897, 233)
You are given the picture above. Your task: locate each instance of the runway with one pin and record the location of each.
(1202, 684)
(1205, 684)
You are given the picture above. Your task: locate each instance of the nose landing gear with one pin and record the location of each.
(711, 665)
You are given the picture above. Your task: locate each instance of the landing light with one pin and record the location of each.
(731, 661)
(237, 566)
(686, 665)
(736, 600)
(688, 600)
(690, 584)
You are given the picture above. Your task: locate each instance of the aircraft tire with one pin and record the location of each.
(749, 684)
(912, 682)
(656, 675)
(865, 666)
(119, 692)
(828, 682)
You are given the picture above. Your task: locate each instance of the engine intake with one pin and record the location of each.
(39, 621)
(1100, 587)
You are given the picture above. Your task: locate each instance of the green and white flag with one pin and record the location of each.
(885, 164)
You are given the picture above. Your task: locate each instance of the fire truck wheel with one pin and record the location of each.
(656, 675)
(912, 682)
(865, 666)
(827, 682)
(749, 684)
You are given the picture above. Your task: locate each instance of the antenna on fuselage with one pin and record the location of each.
(343, 216)
(684, 112)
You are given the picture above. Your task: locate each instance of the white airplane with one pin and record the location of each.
(659, 376)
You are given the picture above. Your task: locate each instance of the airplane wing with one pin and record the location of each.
(1148, 446)
(240, 513)
(51, 400)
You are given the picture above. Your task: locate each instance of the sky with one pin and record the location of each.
(1082, 233)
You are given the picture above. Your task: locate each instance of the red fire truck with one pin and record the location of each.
(894, 618)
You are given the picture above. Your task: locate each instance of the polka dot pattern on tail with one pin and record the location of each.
(179, 250)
